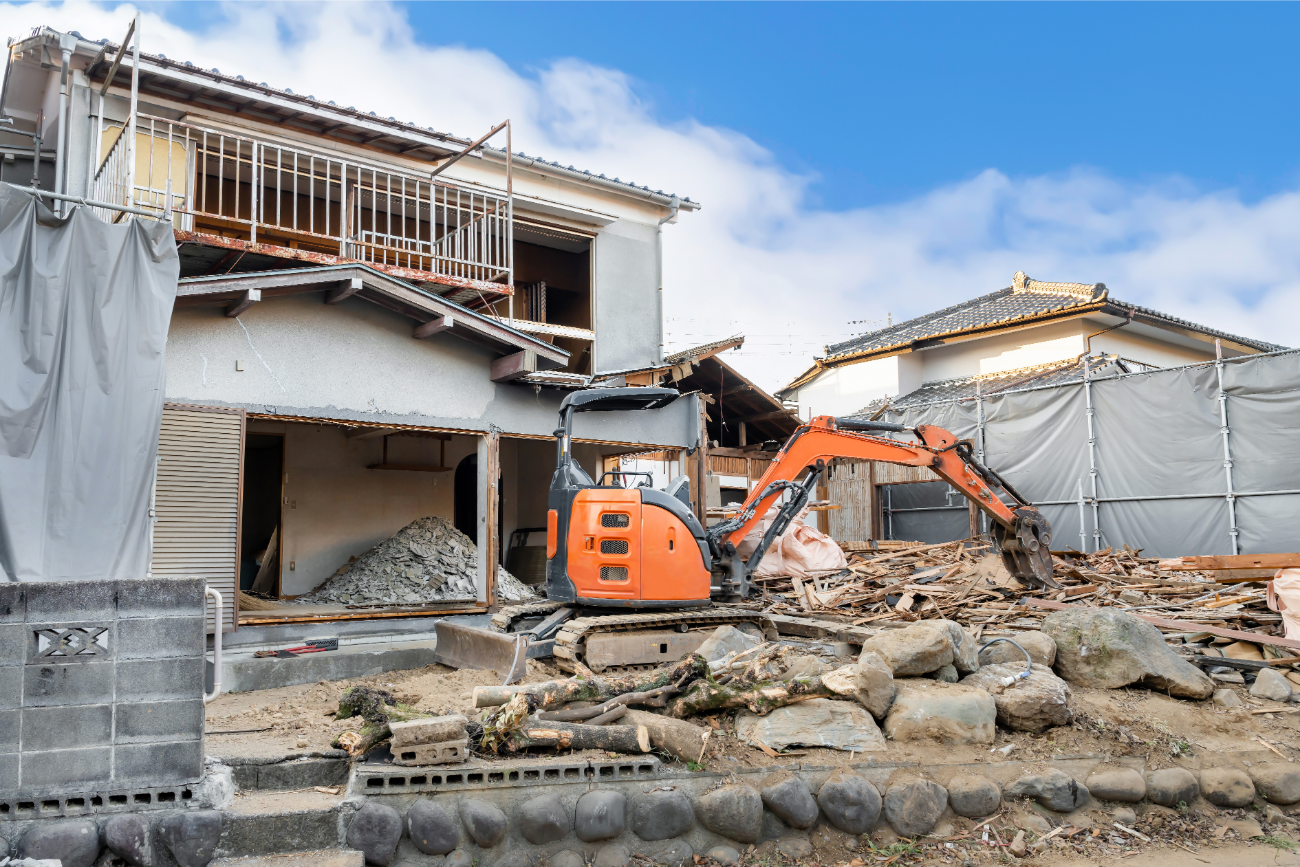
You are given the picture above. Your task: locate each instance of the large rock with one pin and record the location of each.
(1271, 685)
(566, 858)
(1171, 786)
(611, 855)
(192, 837)
(432, 828)
(790, 798)
(965, 650)
(127, 837)
(1117, 784)
(600, 815)
(734, 812)
(1227, 787)
(75, 843)
(661, 813)
(918, 649)
(914, 807)
(819, 722)
(1108, 649)
(1034, 704)
(874, 683)
(484, 822)
(1039, 645)
(1054, 789)
(850, 802)
(973, 796)
(542, 820)
(948, 713)
(375, 831)
(1278, 783)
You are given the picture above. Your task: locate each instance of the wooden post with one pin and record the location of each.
(490, 469)
(974, 518)
(702, 467)
(824, 517)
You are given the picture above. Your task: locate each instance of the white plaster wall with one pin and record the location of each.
(1133, 344)
(1042, 345)
(847, 389)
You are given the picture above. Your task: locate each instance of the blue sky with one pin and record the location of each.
(856, 161)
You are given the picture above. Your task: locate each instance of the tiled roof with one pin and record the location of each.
(966, 387)
(706, 350)
(1024, 299)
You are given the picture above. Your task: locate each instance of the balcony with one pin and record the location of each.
(251, 194)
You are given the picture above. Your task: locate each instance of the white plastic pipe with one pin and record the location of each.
(216, 646)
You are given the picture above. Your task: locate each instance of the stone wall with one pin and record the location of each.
(101, 687)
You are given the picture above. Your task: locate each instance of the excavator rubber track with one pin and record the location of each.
(571, 641)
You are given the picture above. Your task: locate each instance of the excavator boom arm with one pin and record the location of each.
(1020, 531)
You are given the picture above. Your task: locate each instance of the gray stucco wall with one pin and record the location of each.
(358, 361)
(627, 306)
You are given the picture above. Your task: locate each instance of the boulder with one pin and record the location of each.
(1108, 648)
(874, 682)
(1227, 698)
(75, 843)
(127, 837)
(1039, 645)
(661, 813)
(1278, 783)
(1054, 789)
(724, 855)
(1171, 786)
(790, 798)
(484, 822)
(541, 820)
(850, 802)
(819, 722)
(1117, 784)
(973, 796)
(947, 674)
(965, 650)
(611, 855)
(914, 807)
(566, 858)
(734, 812)
(192, 837)
(459, 858)
(1271, 685)
(918, 649)
(675, 854)
(600, 815)
(1034, 704)
(725, 640)
(948, 713)
(1227, 787)
(374, 831)
(433, 829)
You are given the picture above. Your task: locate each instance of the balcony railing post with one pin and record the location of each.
(253, 197)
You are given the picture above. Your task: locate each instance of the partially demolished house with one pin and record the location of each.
(376, 321)
(1031, 335)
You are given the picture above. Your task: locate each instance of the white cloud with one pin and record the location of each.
(759, 258)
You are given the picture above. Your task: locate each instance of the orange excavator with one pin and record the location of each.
(633, 579)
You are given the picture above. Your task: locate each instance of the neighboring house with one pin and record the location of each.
(368, 330)
(1029, 335)
(1028, 324)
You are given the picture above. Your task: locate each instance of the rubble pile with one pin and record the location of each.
(427, 560)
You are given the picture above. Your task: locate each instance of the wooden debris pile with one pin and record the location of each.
(965, 581)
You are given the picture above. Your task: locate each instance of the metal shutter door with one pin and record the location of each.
(200, 469)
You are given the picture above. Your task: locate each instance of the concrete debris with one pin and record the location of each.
(820, 722)
(428, 560)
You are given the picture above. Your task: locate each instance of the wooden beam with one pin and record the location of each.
(1233, 561)
(366, 433)
(247, 300)
(511, 367)
(345, 289)
(433, 326)
(765, 416)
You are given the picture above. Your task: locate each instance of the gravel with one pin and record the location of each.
(427, 560)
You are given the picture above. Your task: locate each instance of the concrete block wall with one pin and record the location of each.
(101, 686)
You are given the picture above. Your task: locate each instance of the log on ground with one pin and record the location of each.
(677, 737)
(576, 736)
(554, 693)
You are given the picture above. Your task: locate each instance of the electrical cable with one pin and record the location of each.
(1029, 662)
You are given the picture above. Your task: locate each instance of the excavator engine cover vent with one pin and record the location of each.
(613, 546)
(614, 520)
(613, 573)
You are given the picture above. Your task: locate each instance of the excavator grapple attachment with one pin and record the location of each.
(1026, 550)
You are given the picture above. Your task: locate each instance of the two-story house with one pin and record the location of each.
(376, 321)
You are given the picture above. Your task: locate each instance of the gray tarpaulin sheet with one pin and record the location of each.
(1159, 455)
(84, 311)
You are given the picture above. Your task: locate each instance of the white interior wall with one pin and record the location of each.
(847, 389)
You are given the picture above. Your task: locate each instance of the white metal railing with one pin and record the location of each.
(280, 194)
(110, 181)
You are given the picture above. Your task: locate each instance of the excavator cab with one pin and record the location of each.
(621, 547)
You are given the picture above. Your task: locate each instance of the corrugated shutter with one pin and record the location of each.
(200, 468)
